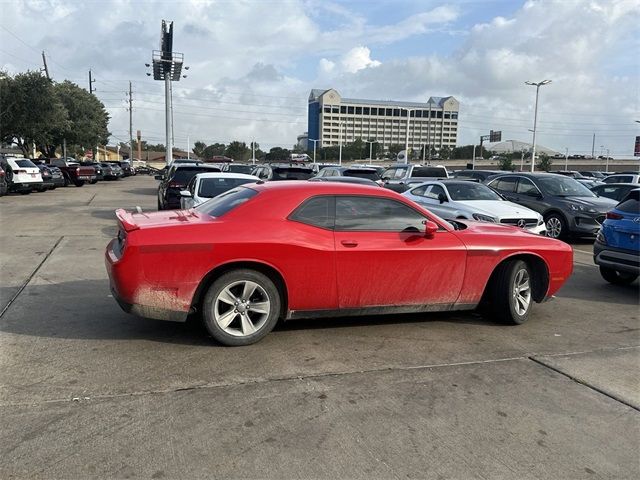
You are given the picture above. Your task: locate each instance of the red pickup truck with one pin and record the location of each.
(73, 172)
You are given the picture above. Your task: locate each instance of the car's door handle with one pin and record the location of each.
(349, 243)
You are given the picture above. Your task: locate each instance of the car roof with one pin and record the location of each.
(226, 175)
(607, 185)
(327, 188)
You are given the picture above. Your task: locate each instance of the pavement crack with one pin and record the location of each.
(583, 382)
(91, 199)
(33, 274)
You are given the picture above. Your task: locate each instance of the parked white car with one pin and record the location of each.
(204, 186)
(22, 174)
(463, 199)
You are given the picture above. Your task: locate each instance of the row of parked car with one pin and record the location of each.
(556, 204)
(24, 175)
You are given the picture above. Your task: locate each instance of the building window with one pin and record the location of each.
(365, 110)
(447, 114)
(454, 115)
(396, 112)
(350, 110)
(389, 112)
(327, 109)
(343, 109)
(358, 110)
(418, 113)
(439, 114)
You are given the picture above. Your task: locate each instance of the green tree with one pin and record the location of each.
(505, 163)
(30, 111)
(445, 153)
(87, 119)
(278, 154)
(238, 151)
(215, 149)
(198, 148)
(544, 162)
(395, 149)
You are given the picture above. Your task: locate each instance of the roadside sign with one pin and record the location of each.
(636, 151)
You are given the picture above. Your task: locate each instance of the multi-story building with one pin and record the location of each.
(333, 120)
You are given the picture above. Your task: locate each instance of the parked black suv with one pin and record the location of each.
(283, 171)
(568, 207)
(176, 179)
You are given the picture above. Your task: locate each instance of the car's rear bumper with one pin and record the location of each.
(619, 259)
(24, 186)
(136, 296)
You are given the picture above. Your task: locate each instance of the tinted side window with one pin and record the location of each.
(218, 206)
(435, 191)
(317, 211)
(419, 191)
(375, 214)
(526, 187)
(507, 184)
(631, 203)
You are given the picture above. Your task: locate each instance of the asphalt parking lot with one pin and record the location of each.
(87, 391)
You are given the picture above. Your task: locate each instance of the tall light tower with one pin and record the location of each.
(167, 66)
(535, 119)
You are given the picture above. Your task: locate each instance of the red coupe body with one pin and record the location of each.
(162, 263)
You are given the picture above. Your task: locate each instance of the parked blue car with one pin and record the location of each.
(617, 246)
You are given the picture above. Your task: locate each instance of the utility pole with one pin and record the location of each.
(139, 136)
(91, 82)
(64, 148)
(473, 160)
(593, 146)
(566, 159)
(314, 148)
(340, 148)
(46, 69)
(188, 148)
(370, 142)
(130, 122)
(535, 119)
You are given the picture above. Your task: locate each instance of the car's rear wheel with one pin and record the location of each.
(78, 183)
(556, 225)
(617, 277)
(93, 182)
(510, 293)
(241, 307)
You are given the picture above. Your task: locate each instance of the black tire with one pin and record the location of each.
(556, 225)
(159, 205)
(263, 322)
(66, 181)
(617, 277)
(25, 192)
(93, 182)
(503, 303)
(79, 183)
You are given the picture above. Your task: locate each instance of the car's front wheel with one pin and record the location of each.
(616, 276)
(241, 307)
(556, 225)
(510, 293)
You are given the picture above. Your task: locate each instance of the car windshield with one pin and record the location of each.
(292, 173)
(471, 191)
(185, 174)
(227, 201)
(561, 186)
(429, 172)
(212, 187)
(362, 173)
(25, 163)
(240, 168)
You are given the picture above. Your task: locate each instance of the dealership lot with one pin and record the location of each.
(89, 391)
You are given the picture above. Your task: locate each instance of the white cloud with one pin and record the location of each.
(253, 64)
(358, 58)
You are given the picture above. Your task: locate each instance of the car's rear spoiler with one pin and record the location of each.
(126, 220)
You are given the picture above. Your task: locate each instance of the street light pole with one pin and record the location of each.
(340, 147)
(314, 148)
(406, 140)
(371, 142)
(535, 119)
(566, 159)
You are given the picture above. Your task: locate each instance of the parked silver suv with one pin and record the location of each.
(401, 176)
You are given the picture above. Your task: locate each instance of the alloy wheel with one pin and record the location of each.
(554, 227)
(241, 308)
(521, 292)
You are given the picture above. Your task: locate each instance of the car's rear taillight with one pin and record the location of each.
(78, 170)
(19, 171)
(614, 216)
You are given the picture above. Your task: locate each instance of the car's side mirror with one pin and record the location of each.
(442, 197)
(158, 177)
(185, 194)
(534, 194)
(386, 179)
(430, 228)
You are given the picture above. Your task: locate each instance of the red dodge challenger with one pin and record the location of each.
(294, 249)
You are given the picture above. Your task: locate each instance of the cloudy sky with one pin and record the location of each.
(253, 62)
